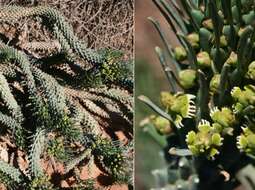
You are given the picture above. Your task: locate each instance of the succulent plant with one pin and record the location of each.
(63, 107)
(211, 80)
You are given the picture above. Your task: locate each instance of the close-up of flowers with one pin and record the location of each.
(210, 98)
(206, 141)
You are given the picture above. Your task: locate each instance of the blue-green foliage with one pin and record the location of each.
(47, 115)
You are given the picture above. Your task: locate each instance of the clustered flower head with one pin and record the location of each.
(243, 98)
(224, 117)
(208, 139)
(179, 106)
(246, 141)
(204, 142)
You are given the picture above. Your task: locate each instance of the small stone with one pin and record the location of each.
(4, 154)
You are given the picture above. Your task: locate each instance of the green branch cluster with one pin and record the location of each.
(47, 114)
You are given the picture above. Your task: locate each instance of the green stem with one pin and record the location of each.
(166, 44)
(167, 70)
(161, 140)
(202, 98)
(223, 83)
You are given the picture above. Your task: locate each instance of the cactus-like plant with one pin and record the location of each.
(71, 101)
(211, 102)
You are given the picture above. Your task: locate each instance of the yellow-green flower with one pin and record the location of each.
(205, 142)
(42, 182)
(225, 117)
(243, 98)
(167, 99)
(246, 141)
(179, 106)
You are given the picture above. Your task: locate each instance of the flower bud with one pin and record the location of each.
(240, 32)
(193, 39)
(223, 41)
(232, 60)
(162, 125)
(220, 13)
(251, 71)
(214, 83)
(187, 78)
(208, 24)
(203, 59)
(180, 53)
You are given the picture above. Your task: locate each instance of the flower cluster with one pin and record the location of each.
(246, 141)
(223, 119)
(243, 98)
(179, 106)
(206, 141)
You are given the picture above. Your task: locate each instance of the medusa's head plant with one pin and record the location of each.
(208, 114)
(64, 108)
